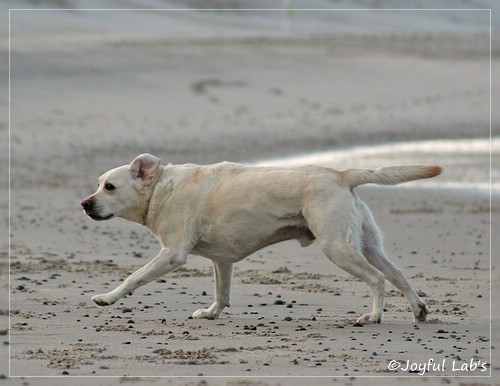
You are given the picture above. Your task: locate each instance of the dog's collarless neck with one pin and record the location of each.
(152, 197)
(159, 193)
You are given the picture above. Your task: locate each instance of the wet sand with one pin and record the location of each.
(83, 107)
(293, 311)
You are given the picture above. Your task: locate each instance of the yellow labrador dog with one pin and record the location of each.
(227, 211)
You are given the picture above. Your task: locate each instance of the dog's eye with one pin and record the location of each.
(109, 186)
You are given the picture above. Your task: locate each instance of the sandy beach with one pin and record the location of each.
(91, 90)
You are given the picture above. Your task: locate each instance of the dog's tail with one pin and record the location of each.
(390, 175)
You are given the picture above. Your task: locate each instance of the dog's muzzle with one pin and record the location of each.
(90, 210)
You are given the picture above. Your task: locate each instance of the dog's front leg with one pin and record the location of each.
(166, 261)
(222, 277)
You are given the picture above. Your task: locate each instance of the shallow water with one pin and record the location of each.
(466, 162)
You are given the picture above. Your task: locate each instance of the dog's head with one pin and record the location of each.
(124, 192)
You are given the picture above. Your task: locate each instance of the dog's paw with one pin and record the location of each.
(102, 300)
(369, 318)
(420, 315)
(206, 313)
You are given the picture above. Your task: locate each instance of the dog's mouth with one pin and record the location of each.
(96, 217)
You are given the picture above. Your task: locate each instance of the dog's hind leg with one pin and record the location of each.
(222, 281)
(339, 236)
(354, 263)
(374, 252)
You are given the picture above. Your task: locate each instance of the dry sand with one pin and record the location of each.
(80, 108)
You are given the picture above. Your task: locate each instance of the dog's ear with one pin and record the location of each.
(145, 167)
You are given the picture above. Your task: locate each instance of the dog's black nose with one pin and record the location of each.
(87, 204)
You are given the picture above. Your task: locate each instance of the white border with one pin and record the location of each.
(396, 375)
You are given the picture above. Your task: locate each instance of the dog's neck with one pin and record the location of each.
(159, 193)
